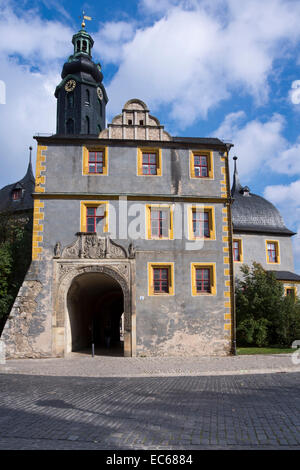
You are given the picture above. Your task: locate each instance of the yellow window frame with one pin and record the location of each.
(148, 221)
(276, 242)
(240, 241)
(158, 153)
(170, 267)
(210, 160)
(212, 268)
(212, 225)
(83, 207)
(294, 288)
(85, 160)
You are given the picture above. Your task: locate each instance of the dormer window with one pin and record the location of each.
(246, 191)
(16, 194)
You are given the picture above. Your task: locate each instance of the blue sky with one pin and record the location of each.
(221, 68)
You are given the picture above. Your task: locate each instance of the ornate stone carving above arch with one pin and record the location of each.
(91, 246)
(67, 273)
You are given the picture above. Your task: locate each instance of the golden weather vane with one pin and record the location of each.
(84, 17)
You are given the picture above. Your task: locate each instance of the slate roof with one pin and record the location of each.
(286, 276)
(200, 140)
(27, 183)
(253, 213)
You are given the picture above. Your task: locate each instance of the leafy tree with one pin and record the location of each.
(15, 257)
(6, 263)
(265, 316)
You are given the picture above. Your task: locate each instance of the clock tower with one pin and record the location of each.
(81, 96)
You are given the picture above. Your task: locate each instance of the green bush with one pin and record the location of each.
(15, 257)
(265, 316)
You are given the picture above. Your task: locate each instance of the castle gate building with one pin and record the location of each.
(132, 240)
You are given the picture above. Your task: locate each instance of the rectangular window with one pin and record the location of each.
(201, 223)
(96, 162)
(201, 164)
(237, 250)
(201, 226)
(149, 162)
(161, 278)
(272, 251)
(290, 291)
(94, 216)
(203, 279)
(159, 222)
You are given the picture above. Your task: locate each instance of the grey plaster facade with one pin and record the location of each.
(181, 323)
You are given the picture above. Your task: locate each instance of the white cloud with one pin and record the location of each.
(111, 39)
(256, 143)
(287, 199)
(260, 144)
(25, 113)
(162, 6)
(193, 56)
(30, 50)
(288, 160)
(33, 38)
(196, 54)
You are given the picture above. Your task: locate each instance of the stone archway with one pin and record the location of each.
(95, 304)
(66, 272)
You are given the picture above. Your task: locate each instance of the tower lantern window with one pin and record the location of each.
(78, 46)
(84, 46)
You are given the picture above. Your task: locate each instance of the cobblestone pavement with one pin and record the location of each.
(179, 412)
(78, 364)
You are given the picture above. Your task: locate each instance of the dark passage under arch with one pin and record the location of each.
(95, 304)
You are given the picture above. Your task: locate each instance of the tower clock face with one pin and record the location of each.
(99, 93)
(70, 85)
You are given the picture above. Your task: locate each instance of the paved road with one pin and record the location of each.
(83, 365)
(183, 412)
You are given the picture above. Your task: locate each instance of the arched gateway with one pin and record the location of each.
(91, 296)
